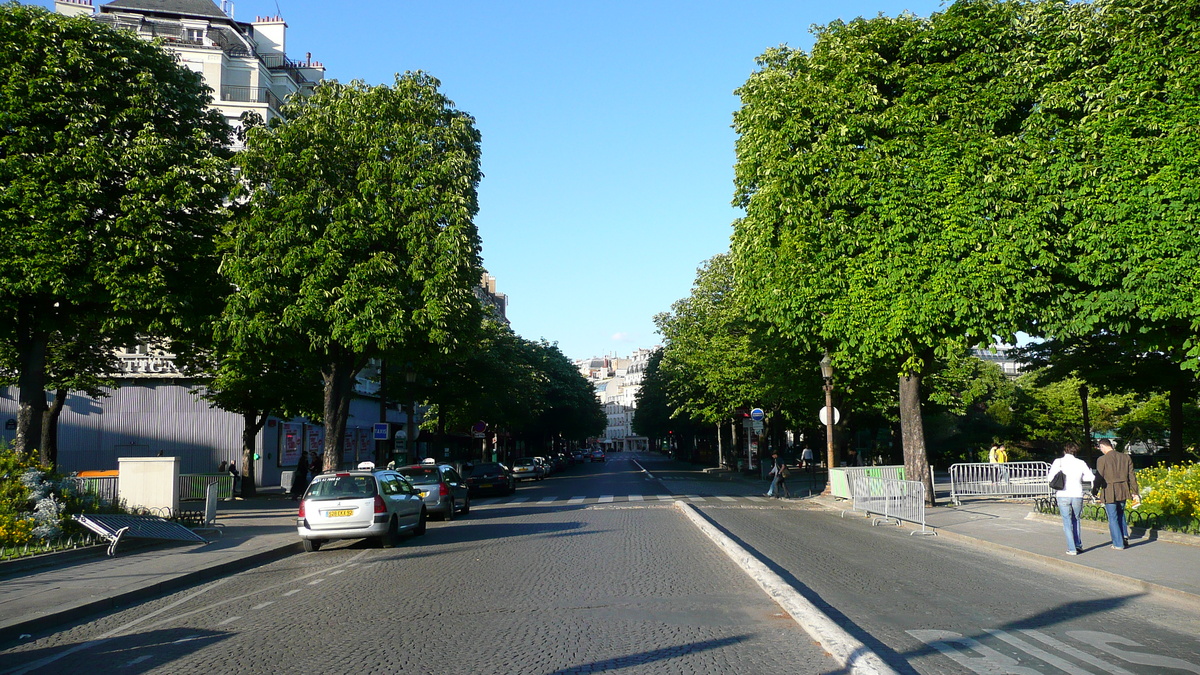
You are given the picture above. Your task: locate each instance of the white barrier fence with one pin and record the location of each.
(1024, 480)
(891, 500)
(841, 478)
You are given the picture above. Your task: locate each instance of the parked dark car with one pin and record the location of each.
(491, 477)
(598, 456)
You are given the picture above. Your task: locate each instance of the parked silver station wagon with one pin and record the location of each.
(361, 504)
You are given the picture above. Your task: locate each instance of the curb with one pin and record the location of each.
(12, 633)
(845, 649)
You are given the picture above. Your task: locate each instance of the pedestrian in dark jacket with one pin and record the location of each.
(300, 477)
(1120, 484)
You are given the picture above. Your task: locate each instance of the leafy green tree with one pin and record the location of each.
(112, 176)
(652, 416)
(879, 223)
(357, 231)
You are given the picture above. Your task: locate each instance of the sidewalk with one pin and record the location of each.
(1158, 562)
(37, 594)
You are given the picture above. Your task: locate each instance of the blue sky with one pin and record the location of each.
(607, 148)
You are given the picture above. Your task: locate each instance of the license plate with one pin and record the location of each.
(341, 514)
(483, 485)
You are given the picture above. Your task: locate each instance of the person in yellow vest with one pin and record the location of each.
(1001, 455)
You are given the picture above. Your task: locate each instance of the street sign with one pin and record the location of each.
(824, 415)
(756, 426)
(381, 431)
(757, 414)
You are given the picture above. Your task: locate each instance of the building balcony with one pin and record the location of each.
(236, 94)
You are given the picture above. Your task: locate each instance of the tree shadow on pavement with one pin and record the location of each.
(133, 653)
(643, 658)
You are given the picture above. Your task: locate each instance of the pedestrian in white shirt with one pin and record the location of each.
(1070, 497)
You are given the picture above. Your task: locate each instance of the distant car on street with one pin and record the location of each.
(445, 492)
(490, 477)
(527, 468)
(598, 456)
(359, 504)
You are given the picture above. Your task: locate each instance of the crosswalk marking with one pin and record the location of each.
(634, 498)
(756, 499)
(666, 498)
(605, 499)
(576, 500)
(518, 500)
(726, 499)
(695, 498)
(547, 500)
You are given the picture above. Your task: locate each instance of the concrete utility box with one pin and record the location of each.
(149, 483)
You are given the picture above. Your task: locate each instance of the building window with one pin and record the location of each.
(195, 35)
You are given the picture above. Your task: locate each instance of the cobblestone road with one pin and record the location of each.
(513, 588)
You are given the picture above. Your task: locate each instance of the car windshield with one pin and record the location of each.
(484, 469)
(341, 487)
(421, 475)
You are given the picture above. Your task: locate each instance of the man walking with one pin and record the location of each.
(1119, 484)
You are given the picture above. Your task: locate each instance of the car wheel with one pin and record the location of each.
(466, 506)
(448, 515)
(392, 537)
(312, 545)
(421, 520)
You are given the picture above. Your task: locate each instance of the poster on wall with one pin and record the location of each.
(366, 445)
(348, 447)
(314, 439)
(291, 443)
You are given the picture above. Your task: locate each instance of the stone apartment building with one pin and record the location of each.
(616, 382)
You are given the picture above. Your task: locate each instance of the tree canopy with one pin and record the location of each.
(356, 231)
(113, 172)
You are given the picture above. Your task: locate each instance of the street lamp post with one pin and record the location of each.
(827, 377)
(410, 377)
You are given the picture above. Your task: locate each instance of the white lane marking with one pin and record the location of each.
(696, 498)
(985, 660)
(634, 498)
(605, 499)
(1074, 652)
(229, 620)
(757, 499)
(191, 638)
(518, 500)
(666, 498)
(576, 500)
(1105, 641)
(138, 660)
(292, 592)
(547, 500)
(262, 605)
(314, 582)
(336, 572)
(1033, 650)
(854, 656)
(726, 499)
(41, 663)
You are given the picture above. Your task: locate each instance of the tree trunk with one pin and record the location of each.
(1175, 399)
(252, 423)
(1086, 446)
(31, 355)
(720, 445)
(912, 431)
(338, 377)
(49, 444)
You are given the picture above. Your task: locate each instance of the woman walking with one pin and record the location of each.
(300, 477)
(1070, 495)
(1120, 484)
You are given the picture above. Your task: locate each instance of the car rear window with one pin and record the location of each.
(341, 487)
(527, 461)
(484, 469)
(421, 475)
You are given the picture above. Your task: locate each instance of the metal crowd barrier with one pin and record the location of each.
(194, 486)
(1026, 480)
(891, 500)
(841, 478)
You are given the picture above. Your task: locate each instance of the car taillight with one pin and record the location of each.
(380, 507)
(443, 490)
(301, 514)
